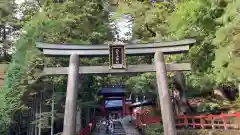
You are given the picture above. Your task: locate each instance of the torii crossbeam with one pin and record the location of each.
(103, 50)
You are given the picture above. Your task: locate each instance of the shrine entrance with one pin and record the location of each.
(117, 53)
(114, 101)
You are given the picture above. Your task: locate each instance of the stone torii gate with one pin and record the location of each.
(117, 66)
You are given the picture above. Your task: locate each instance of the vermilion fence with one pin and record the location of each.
(222, 121)
(88, 130)
(141, 120)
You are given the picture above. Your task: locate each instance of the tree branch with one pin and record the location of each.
(39, 4)
(150, 30)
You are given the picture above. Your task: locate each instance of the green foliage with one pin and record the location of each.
(208, 107)
(197, 19)
(71, 22)
(191, 132)
(205, 132)
(227, 38)
(213, 23)
(28, 9)
(7, 8)
(153, 129)
(8, 21)
(21, 70)
(149, 20)
(143, 84)
(198, 84)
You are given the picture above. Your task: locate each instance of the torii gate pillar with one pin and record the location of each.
(69, 127)
(163, 91)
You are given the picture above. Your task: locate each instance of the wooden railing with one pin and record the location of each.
(222, 121)
(88, 130)
(150, 120)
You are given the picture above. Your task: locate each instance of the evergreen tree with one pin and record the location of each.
(73, 21)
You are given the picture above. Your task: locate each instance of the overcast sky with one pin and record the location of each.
(124, 26)
(19, 1)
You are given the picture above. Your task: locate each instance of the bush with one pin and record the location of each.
(153, 129)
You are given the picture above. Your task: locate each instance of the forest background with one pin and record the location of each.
(214, 58)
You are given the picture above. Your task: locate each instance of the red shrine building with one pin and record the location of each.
(116, 103)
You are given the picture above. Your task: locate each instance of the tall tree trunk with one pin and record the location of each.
(94, 112)
(181, 82)
(87, 115)
(238, 90)
(32, 116)
(181, 103)
(177, 110)
(40, 115)
(52, 119)
(36, 116)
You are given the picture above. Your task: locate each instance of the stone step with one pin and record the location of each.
(118, 128)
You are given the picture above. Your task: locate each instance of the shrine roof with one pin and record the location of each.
(144, 103)
(112, 90)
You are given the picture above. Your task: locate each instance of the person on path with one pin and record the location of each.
(98, 125)
(104, 123)
(107, 125)
(111, 126)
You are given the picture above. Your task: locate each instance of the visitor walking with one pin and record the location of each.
(111, 127)
(107, 127)
(98, 125)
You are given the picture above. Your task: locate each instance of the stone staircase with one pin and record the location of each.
(129, 128)
(121, 127)
(118, 128)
